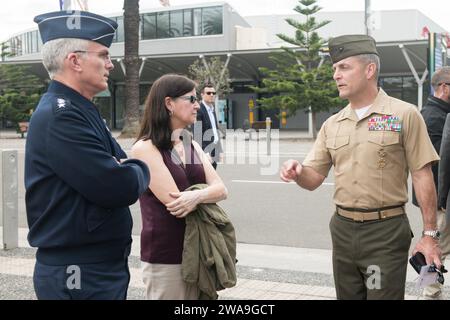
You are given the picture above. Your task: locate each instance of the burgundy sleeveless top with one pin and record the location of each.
(162, 234)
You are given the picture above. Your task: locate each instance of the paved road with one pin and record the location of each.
(263, 209)
(283, 235)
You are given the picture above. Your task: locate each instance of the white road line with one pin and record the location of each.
(264, 154)
(273, 182)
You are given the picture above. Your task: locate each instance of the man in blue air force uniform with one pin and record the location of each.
(78, 183)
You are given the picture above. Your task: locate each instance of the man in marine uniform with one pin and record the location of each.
(78, 183)
(373, 143)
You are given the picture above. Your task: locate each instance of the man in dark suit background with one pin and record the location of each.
(209, 138)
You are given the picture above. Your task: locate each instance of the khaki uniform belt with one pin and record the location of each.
(369, 216)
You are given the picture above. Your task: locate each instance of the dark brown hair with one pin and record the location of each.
(155, 124)
(206, 85)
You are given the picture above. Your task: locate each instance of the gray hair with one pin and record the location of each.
(442, 75)
(371, 58)
(55, 51)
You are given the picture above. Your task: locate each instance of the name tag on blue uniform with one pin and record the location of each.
(385, 123)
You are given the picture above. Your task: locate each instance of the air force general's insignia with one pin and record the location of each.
(61, 103)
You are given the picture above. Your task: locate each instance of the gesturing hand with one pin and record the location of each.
(290, 170)
(185, 202)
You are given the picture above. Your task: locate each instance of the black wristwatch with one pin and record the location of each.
(435, 234)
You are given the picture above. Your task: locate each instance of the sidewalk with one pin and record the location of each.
(264, 273)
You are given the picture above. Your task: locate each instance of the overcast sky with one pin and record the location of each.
(17, 15)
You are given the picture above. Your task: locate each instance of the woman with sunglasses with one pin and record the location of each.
(176, 162)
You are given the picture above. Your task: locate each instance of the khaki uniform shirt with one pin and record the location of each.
(372, 156)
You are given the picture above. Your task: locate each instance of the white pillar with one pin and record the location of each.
(419, 81)
(142, 66)
(122, 66)
(420, 96)
(9, 196)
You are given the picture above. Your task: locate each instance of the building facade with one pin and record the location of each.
(172, 38)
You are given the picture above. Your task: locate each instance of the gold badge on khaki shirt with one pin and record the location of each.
(384, 123)
(381, 163)
(382, 160)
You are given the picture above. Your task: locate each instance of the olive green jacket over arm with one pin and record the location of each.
(209, 251)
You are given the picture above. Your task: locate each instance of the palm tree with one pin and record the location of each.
(132, 64)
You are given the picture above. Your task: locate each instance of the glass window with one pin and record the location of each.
(24, 43)
(149, 26)
(176, 23)
(30, 42)
(187, 23)
(162, 25)
(212, 20)
(120, 30)
(392, 83)
(12, 46)
(197, 21)
(119, 111)
(409, 90)
(103, 105)
(35, 41)
(144, 90)
(426, 89)
(409, 83)
(27, 43)
(393, 86)
(19, 45)
(39, 43)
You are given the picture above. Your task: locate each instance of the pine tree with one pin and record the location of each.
(19, 93)
(300, 81)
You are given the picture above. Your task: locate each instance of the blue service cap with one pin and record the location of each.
(76, 24)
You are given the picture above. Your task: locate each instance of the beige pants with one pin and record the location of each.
(434, 290)
(164, 282)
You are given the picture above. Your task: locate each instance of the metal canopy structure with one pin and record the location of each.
(244, 65)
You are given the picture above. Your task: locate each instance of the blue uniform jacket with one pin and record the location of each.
(77, 194)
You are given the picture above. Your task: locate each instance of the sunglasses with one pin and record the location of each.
(210, 93)
(191, 99)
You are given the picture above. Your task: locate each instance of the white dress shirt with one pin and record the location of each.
(212, 119)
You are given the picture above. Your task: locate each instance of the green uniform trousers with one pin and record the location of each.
(370, 258)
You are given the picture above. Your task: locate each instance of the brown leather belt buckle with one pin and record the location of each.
(358, 216)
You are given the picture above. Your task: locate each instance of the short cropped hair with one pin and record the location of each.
(55, 51)
(371, 58)
(206, 85)
(442, 75)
